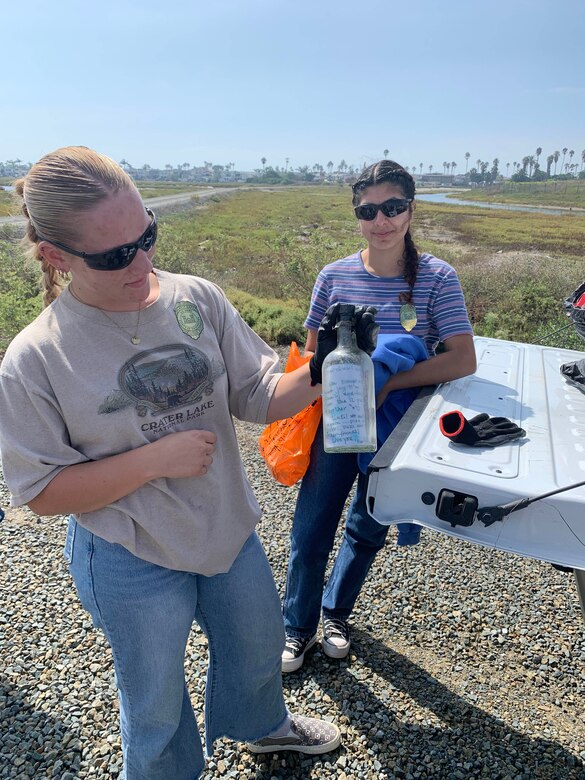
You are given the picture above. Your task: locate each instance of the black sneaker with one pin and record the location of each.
(336, 641)
(294, 651)
(306, 735)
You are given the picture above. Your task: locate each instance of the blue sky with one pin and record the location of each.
(237, 80)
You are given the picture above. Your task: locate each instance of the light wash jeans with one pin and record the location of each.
(322, 495)
(146, 613)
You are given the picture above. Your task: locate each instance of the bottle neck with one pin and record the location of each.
(345, 335)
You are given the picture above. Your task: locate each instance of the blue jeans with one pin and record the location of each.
(322, 495)
(146, 613)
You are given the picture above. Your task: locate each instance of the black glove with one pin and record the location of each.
(574, 373)
(366, 330)
(481, 431)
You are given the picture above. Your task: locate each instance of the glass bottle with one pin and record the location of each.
(349, 399)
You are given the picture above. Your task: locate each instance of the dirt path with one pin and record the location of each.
(164, 201)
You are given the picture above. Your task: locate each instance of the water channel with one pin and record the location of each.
(443, 197)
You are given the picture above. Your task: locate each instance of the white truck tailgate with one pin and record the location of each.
(415, 473)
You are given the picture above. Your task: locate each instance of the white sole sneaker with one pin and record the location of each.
(290, 662)
(333, 651)
(336, 640)
(307, 735)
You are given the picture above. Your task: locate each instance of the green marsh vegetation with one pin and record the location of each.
(8, 207)
(20, 299)
(515, 267)
(265, 249)
(567, 193)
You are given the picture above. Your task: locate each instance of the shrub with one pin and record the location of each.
(20, 297)
(277, 322)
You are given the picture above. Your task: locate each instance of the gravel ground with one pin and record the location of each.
(465, 663)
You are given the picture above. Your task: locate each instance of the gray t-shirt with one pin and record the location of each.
(73, 388)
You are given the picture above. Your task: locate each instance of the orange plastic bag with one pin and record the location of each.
(285, 445)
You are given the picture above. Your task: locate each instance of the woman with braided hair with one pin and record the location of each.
(412, 293)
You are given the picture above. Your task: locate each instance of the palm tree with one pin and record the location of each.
(263, 161)
(430, 168)
(478, 163)
(556, 156)
(467, 156)
(286, 162)
(582, 159)
(386, 152)
(507, 170)
(330, 167)
(571, 153)
(565, 150)
(342, 166)
(549, 162)
(538, 153)
(453, 166)
(421, 167)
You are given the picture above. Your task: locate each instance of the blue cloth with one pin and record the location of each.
(394, 353)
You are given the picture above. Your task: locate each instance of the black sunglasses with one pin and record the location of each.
(120, 256)
(390, 208)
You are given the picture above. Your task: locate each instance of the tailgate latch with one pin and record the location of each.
(456, 508)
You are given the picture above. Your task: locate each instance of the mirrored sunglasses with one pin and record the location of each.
(390, 208)
(120, 256)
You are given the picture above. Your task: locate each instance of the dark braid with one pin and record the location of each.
(390, 172)
(410, 267)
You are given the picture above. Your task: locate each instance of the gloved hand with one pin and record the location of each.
(366, 330)
(481, 431)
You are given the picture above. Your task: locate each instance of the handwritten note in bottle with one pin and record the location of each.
(349, 400)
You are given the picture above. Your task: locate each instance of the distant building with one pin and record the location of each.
(441, 180)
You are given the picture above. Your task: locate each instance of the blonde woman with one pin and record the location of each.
(116, 408)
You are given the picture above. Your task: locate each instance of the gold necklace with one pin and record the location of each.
(135, 339)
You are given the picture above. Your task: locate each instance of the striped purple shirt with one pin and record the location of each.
(438, 298)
